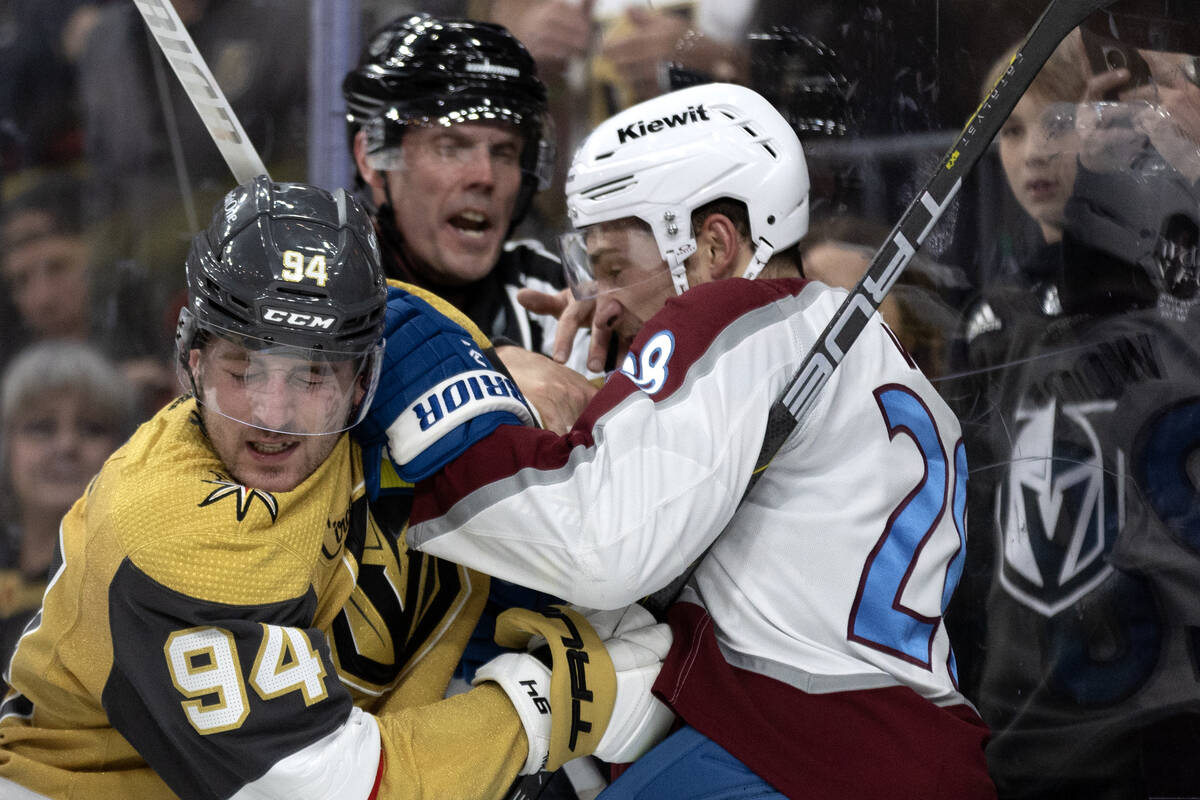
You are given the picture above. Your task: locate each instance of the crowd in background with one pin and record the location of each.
(1052, 306)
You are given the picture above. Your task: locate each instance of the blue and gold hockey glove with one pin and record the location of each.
(437, 392)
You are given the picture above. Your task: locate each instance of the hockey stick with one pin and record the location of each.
(202, 88)
(800, 395)
(244, 162)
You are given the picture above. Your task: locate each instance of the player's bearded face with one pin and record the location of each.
(265, 405)
(632, 281)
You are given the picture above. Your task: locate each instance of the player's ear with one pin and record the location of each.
(372, 177)
(719, 238)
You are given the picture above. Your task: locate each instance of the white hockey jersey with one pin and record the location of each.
(833, 574)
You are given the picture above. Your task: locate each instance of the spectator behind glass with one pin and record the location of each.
(64, 408)
(1141, 151)
(61, 290)
(1081, 580)
(1038, 147)
(39, 114)
(1038, 144)
(838, 250)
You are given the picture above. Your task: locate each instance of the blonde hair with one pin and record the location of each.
(1062, 79)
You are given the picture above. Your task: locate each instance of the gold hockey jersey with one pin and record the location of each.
(204, 639)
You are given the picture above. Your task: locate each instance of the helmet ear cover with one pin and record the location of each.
(661, 160)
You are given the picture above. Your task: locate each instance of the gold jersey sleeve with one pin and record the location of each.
(199, 631)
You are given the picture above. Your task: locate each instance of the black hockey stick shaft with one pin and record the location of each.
(889, 261)
(800, 395)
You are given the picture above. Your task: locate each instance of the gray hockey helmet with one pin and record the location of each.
(287, 270)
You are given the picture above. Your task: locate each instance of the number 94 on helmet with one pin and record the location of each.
(286, 301)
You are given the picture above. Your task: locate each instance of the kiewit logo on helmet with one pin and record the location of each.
(637, 130)
(297, 319)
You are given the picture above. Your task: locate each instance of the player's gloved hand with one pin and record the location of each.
(437, 392)
(594, 695)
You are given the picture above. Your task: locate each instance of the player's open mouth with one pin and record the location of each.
(472, 223)
(271, 448)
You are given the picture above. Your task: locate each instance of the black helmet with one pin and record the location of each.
(286, 268)
(802, 78)
(1130, 240)
(423, 69)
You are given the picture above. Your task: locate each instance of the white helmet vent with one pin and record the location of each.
(764, 143)
(609, 187)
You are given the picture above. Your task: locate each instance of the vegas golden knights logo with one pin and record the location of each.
(245, 497)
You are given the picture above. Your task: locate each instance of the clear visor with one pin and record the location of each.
(447, 145)
(619, 258)
(283, 388)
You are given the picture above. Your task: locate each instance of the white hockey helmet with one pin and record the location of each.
(661, 159)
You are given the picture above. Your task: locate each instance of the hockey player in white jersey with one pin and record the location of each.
(809, 657)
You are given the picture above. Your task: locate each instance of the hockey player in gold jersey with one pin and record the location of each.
(231, 617)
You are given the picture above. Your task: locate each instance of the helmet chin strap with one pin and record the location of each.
(678, 272)
(675, 262)
(762, 254)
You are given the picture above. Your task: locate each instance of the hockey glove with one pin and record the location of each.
(437, 392)
(594, 697)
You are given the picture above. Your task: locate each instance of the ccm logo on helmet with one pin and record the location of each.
(297, 319)
(693, 114)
